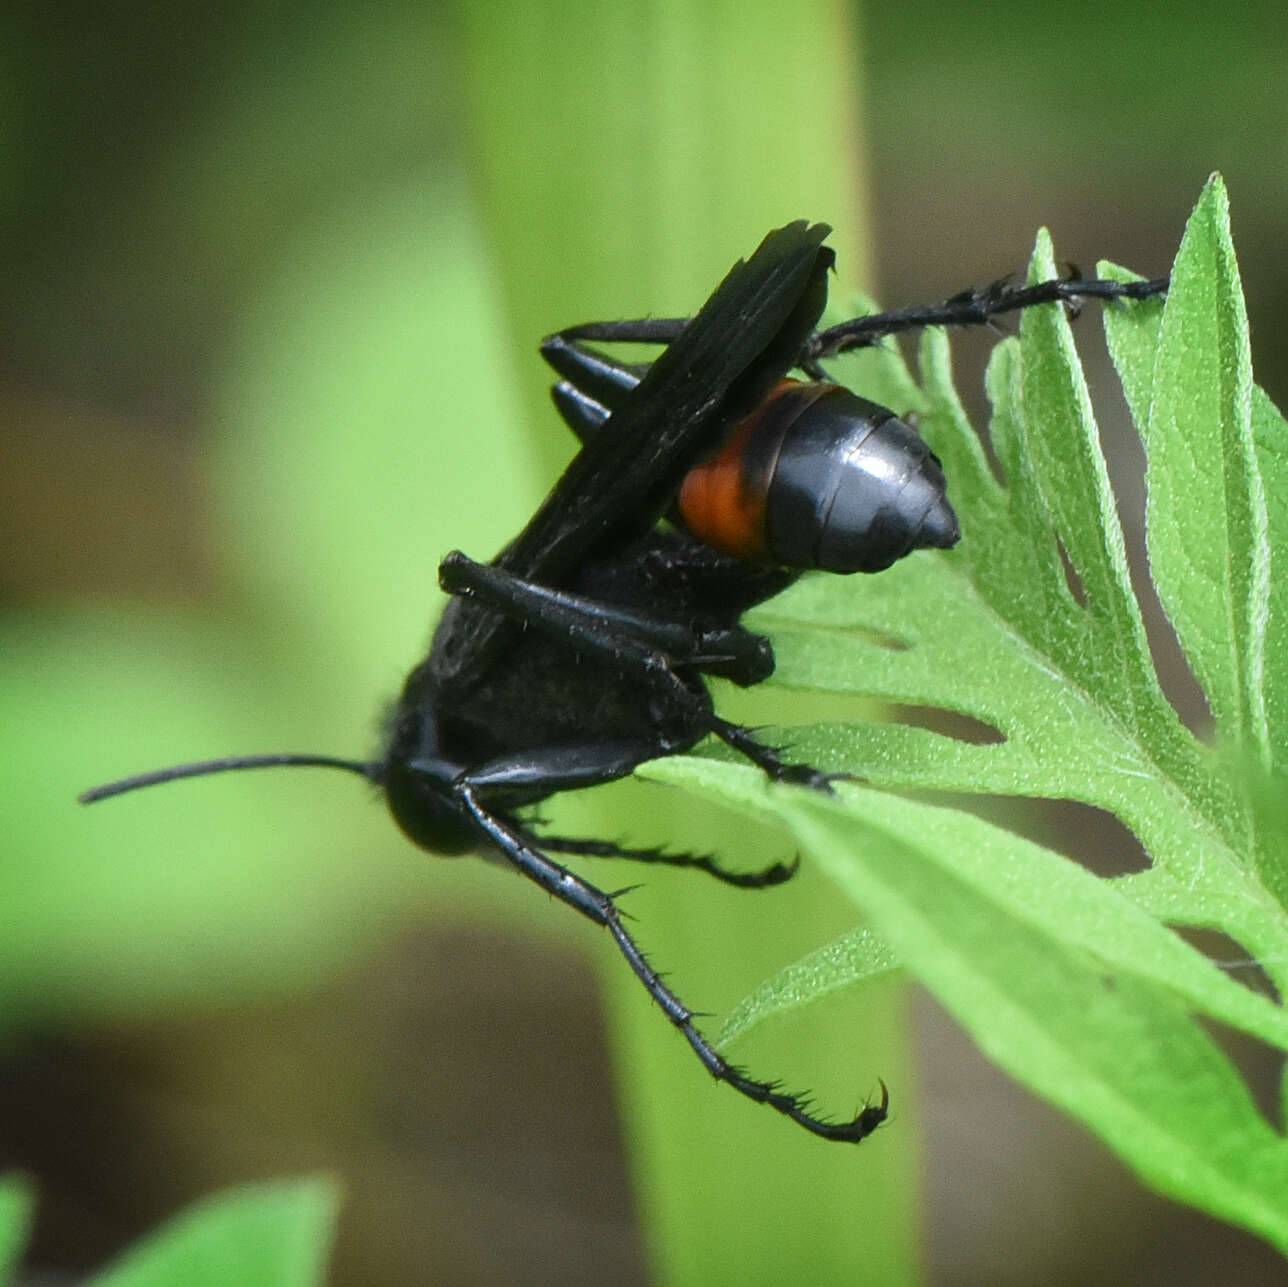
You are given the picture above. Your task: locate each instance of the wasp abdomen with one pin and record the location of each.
(818, 477)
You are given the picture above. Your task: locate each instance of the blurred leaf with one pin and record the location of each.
(365, 355)
(625, 160)
(263, 1235)
(16, 1204)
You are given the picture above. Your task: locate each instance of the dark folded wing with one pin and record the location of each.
(743, 339)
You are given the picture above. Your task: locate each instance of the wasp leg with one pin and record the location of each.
(592, 385)
(548, 770)
(631, 637)
(775, 874)
(639, 643)
(600, 908)
(642, 330)
(594, 373)
(579, 411)
(977, 307)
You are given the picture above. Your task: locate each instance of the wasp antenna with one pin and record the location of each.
(370, 771)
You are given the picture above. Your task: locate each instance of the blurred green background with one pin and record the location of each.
(271, 278)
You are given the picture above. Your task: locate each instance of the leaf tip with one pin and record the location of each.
(1213, 205)
(1042, 264)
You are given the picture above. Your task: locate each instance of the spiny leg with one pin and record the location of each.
(600, 908)
(744, 741)
(976, 307)
(775, 874)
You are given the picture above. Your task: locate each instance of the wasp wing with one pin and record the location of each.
(726, 359)
(742, 341)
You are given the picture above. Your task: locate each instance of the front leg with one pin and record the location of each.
(512, 780)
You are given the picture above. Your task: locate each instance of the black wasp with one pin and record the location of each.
(579, 652)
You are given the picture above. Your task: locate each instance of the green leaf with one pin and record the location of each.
(16, 1203)
(853, 958)
(1207, 523)
(263, 1235)
(1270, 438)
(1079, 986)
(1061, 981)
